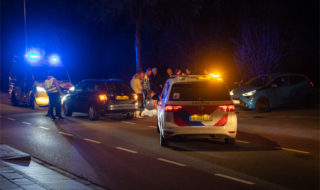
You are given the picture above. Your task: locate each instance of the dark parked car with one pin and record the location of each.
(97, 97)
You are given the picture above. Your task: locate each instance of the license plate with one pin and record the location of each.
(122, 97)
(200, 118)
(236, 101)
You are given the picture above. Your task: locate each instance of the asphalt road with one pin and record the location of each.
(125, 154)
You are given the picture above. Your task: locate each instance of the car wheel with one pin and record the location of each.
(158, 129)
(230, 141)
(163, 141)
(67, 110)
(311, 101)
(33, 103)
(262, 105)
(130, 115)
(14, 101)
(93, 114)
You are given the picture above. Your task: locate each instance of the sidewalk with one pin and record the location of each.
(18, 171)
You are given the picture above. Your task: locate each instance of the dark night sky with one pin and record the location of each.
(92, 49)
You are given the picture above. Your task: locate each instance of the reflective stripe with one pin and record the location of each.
(50, 88)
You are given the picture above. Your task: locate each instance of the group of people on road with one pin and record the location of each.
(145, 85)
(149, 84)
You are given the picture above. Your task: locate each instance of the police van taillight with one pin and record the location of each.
(227, 108)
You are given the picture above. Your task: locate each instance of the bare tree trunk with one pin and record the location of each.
(138, 45)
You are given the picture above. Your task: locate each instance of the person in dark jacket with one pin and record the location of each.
(169, 73)
(155, 82)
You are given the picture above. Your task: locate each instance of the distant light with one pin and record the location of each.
(54, 59)
(215, 75)
(33, 56)
(71, 88)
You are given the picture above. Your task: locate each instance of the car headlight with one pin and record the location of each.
(231, 93)
(63, 98)
(250, 93)
(40, 89)
(71, 88)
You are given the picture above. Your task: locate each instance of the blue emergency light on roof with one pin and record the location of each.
(54, 59)
(33, 56)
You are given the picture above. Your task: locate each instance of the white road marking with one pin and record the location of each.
(172, 162)
(127, 150)
(93, 141)
(45, 128)
(295, 150)
(235, 179)
(67, 134)
(151, 126)
(128, 122)
(26, 123)
(240, 141)
(12, 119)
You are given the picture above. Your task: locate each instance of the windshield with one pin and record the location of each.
(199, 91)
(115, 87)
(259, 81)
(40, 73)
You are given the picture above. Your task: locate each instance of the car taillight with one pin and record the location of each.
(135, 97)
(103, 97)
(311, 83)
(227, 108)
(170, 108)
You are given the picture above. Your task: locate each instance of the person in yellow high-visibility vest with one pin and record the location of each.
(53, 90)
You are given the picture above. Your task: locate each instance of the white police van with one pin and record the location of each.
(196, 105)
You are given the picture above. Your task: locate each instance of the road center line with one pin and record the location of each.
(93, 141)
(128, 122)
(67, 134)
(45, 128)
(12, 119)
(127, 150)
(235, 179)
(240, 141)
(26, 123)
(151, 126)
(294, 150)
(171, 162)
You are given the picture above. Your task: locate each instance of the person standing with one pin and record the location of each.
(135, 84)
(169, 73)
(178, 72)
(188, 72)
(53, 90)
(155, 82)
(146, 86)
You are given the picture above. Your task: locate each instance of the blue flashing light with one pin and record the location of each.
(33, 56)
(54, 59)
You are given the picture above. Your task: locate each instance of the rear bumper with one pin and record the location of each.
(228, 130)
(120, 108)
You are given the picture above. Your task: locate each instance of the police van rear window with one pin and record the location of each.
(199, 91)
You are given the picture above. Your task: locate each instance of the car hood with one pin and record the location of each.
(243, 89)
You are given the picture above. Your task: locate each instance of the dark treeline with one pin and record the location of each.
(98, 38)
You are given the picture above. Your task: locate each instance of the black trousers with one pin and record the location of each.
(54, 102)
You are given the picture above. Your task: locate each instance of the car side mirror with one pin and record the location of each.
(155, 97)
(274, 85)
